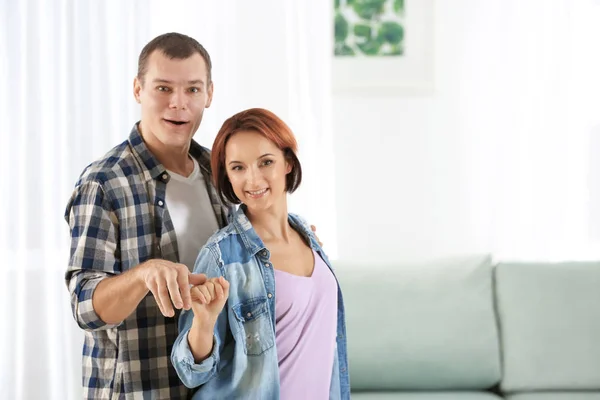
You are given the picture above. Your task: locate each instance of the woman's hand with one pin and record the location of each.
(208, 301)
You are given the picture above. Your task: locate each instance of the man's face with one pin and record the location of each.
(173, 96)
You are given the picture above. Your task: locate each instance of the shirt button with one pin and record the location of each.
(165, 177)
(160, 203)
(249, 315)
(263, 253)
(267, 265)
(269, 295)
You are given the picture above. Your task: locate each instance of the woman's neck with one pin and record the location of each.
(272, 224)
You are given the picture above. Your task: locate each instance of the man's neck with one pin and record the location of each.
(176, 160)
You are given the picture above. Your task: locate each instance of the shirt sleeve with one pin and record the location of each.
(94, 249)
(194, 374)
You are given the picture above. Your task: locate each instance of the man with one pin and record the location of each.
(138, 218)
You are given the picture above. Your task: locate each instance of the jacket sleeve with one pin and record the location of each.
(194, 374)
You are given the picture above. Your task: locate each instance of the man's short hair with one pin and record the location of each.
(270, 126)
(175, 46)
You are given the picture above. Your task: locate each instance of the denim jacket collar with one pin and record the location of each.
(253, 242)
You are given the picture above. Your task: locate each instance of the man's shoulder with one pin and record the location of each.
(112, 169)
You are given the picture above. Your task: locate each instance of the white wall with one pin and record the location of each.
(400, 172)
(483, 164)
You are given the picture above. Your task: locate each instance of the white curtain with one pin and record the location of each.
(66, 73)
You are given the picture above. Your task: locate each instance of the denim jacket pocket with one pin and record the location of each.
(255, 329)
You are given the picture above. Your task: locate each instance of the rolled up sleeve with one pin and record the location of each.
(194, 374)
(93, 256)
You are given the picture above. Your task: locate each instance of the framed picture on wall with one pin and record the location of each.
(383, 46)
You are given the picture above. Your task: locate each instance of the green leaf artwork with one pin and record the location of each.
(369, 28)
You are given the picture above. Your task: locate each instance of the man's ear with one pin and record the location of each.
(210, 94)
(137, 88)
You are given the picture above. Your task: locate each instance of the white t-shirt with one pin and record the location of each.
(192, 214)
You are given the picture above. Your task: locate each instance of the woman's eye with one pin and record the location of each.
(268, 162)
(236, 168)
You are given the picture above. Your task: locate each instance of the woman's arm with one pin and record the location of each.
(208, 301)
(196, 351)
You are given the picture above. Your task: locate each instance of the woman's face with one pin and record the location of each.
(257, 170)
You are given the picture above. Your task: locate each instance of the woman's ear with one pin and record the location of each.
(289, 165)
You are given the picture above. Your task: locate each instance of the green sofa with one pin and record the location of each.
(466, 329)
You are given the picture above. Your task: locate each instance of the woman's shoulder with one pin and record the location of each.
(228, 246)
(299, 220)
(222, 235)
(302, 224)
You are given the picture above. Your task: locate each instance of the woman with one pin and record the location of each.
(269, 322)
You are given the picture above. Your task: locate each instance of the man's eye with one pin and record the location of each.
(194, 90)
(162, 89)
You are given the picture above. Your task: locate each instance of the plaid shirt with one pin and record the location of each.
(118, 219)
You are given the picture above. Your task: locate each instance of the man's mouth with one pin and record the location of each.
(175, 122)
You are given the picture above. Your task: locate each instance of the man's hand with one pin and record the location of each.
(314, 229)
(170, 283)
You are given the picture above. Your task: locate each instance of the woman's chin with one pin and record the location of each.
(257, 206)
(267, 201)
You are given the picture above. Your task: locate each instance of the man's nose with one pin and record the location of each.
(178, 100)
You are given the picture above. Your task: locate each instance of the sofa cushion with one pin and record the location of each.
(423, 326)
(424, 396)
(550, 326)
(555, 396)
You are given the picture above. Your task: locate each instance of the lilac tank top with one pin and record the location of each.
(305, 331)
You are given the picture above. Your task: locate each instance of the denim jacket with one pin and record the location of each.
(244, 363)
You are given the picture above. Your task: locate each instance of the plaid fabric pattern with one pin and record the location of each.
(118, 219)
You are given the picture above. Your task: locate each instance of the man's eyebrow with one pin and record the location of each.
(192, 82)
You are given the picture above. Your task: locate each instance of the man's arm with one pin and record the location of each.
(102, 296)
(94, 253)
(115, 298)
(101, 301)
